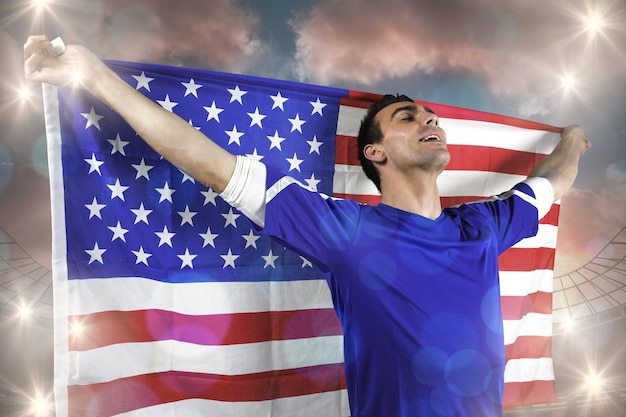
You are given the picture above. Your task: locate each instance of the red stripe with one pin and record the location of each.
(517, 394)
(127, 394)
(516, 307)
(111, 327)
(346, 151)
(527, 259)
(364, 100)
(532, 347)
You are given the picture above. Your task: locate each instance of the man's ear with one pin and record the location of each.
(374, 153)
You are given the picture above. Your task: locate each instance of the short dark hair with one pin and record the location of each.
(370, 132)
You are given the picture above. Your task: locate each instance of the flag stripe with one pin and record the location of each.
(529, 347)
(520, 283)
(518, 394)
(531, 324)
(114, 327)
(516, 307)
(524, 370)
(149, 389)
(527, 259)
(313, 405)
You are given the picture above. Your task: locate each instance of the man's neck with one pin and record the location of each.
(419, 196)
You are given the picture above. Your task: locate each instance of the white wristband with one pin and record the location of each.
(57, 47)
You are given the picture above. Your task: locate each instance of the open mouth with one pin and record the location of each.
(430, 138)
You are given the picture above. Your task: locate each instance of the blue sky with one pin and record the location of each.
(560, 62)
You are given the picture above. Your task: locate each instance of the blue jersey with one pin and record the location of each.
(418, 299)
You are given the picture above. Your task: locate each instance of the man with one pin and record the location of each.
(414, 286)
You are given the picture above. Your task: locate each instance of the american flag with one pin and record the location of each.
(167, 302)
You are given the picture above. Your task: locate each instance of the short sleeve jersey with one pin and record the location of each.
(418, 299)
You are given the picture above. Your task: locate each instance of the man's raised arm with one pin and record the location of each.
(169, 135)
(561, 166)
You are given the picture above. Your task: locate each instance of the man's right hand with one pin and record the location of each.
(75, 67)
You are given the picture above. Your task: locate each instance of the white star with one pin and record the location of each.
(165, 237)
(317, 106)
(279, 100)
(251, 239)
(93, 119)
(229, 259)
(187, 216)
(236, 94)
(312, 182)
(142, 169)
(142, 81)
(94, 164)
(166, 193)
(315, 145)
(256, 118)
(95, 254)
(213, 112)
(186, 177)
(94, 208)
(191, 88)
(118, 232)
(306, 262)
(118, 145)
(191, 124)
(167, 104)
(141, 214)
(296, 124)
(187, 259)
(294, 163)
(230, 218)
(255, 156)
(117, 190)
(270, 258)
(141, 256)
(209, 197)
(208, 237)
(234, 136)
(276, 141)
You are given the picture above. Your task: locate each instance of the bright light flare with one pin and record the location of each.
(568, 82)
(41, 405)
(594, 23)
(24, 311)
(594, 383)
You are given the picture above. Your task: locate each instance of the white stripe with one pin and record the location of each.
(350, 179)
(519, 284)
(468, 132)
(196, 298)
(525, 370)
(334, 403)
(532, 324)
(545, 238)
(129, 359)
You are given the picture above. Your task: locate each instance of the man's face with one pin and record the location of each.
(411, 135)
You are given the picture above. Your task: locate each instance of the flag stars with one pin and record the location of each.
(118, 145)
(270, 259)
(236, 94)
(294, 163)
(314, 145)
(278, 100)
(256, 118)
(312, 182)
(143, 81)
(142, 169)
(95, 254)
(296, 123)
(117, 190)
(191, 87)
(165, 237)
(213, 112)
(142, 257)
(93, 119)
(229, 259)
(255, 156)
(166, 193)
(208, 238)
(187, 216)
(209, 197)
(251, 239)
(141, 214)
(230, 218)
(94, 164)
(95, 208)
(187, 259)
(276, 141)
(318, 106)
(234, 136)
(306, 262)
(167, 104)
(118, 232)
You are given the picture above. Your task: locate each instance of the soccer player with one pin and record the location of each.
(415, 286)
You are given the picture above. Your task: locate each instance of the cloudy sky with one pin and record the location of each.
(560, 62)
